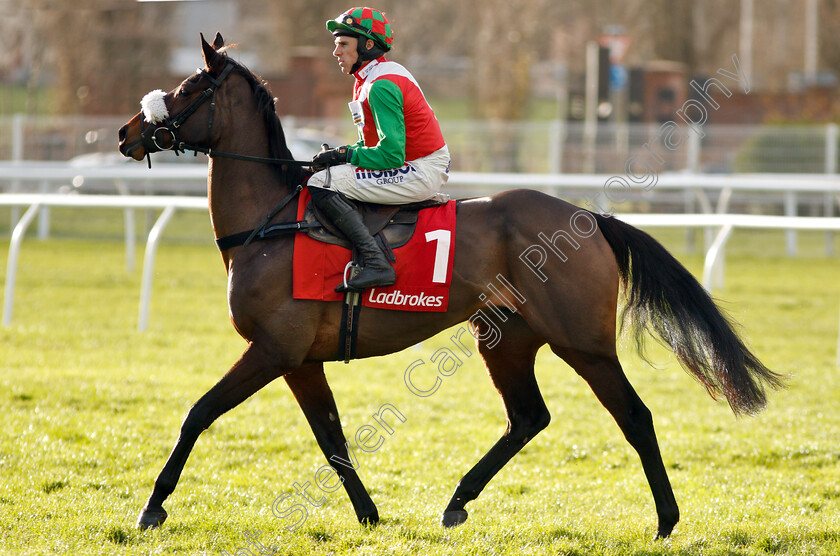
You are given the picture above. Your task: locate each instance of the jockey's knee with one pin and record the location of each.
(318, 179)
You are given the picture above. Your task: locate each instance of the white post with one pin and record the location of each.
(149, 266)
(44, 215)
(811, 31)
(690, 208)
(790, 235)
(11, 265)
(692, 164)
(705, 208)
(830, 168)
(622, 139)
(130, 241)
(831, 148)
(713, 265)
(745, 39)
(558, 129)
(692, 158)
(17, 137)
(590, 125)
(555, 146)
(17, 156)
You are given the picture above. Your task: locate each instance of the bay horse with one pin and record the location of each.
(566, 301)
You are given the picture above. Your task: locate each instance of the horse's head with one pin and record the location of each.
(183, 115)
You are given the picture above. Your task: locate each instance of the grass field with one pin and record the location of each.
(89, 410)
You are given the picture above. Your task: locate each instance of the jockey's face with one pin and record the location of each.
(345, 51)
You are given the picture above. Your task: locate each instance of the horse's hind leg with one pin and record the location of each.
(313, 394)
(610, 385)
(254, 370)
(510, 364)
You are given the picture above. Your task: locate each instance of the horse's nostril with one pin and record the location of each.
(123, 131)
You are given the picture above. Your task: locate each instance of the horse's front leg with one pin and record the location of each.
(313, 394)
(254, 370)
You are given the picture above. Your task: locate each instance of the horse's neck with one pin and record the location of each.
(241, 193)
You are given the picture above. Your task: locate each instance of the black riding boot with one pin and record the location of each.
(376, 270)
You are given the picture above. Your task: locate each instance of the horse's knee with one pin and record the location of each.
(638, 427)
(539, 421)
(196, 422)
(542, 420)
(640, 417)
(528, 425)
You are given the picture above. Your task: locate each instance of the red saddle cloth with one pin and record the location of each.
(424, 265)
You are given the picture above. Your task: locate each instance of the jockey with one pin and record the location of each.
(400, 157)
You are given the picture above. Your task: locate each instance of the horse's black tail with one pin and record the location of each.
(662, 296)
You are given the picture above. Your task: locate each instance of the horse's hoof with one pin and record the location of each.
(453, 518)
(664, 532)
(666, 526)
(662, 535)
(149, 519)
(371, 520)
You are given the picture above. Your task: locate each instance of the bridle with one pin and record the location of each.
(171, 125)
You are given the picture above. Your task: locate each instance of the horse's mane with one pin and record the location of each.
(266, 109)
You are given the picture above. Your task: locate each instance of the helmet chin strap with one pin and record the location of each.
(365, 54)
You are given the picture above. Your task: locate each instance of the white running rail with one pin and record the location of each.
(712, 268)
(129, 202)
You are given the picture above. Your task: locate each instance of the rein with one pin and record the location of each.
(182, 147)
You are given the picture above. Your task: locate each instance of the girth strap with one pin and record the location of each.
(236, 240)
(261, 231)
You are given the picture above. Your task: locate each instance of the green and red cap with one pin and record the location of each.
(366, 22)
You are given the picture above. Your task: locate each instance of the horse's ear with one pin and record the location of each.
(218, 42)
(209, 52)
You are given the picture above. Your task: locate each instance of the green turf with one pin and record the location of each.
(89, 409)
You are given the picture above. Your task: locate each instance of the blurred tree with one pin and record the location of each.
(829, 46)
(498, 36)
(673, 27)
(101, 53)
(690, 32)
(23, 57)
(503, 35)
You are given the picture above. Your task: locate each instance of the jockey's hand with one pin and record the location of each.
(331, 157)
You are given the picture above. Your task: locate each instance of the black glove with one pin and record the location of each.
(331, 157)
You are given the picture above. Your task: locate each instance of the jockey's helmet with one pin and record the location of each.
(367, 22)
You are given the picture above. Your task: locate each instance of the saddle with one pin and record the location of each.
(391, 225)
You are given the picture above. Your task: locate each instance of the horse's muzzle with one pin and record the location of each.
(131, 148)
